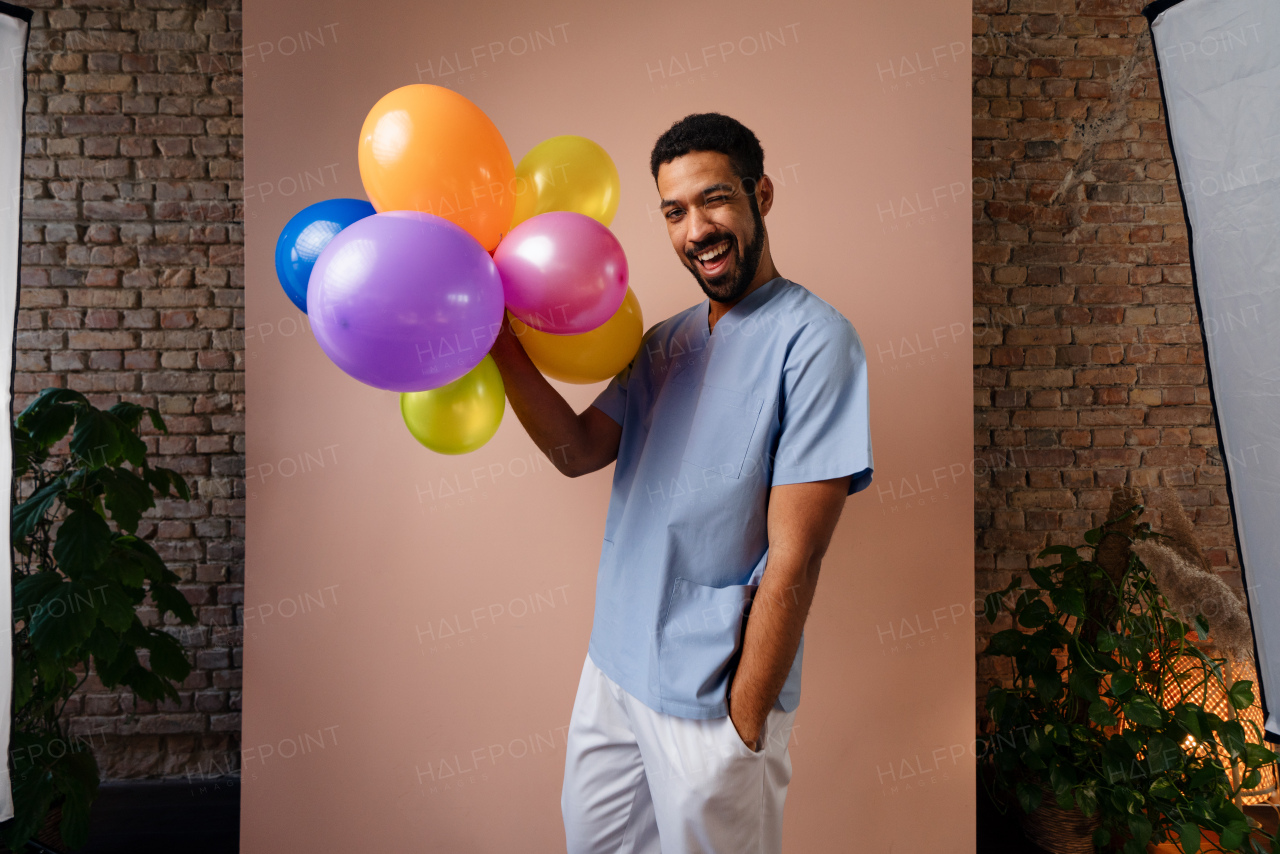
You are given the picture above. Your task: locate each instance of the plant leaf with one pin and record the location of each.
(1007, 642)
(1029, 797)
(1140, 827)
(1122, 683)
(1163, 754)
(157, 421)
(64, 619)
(1189, 836)
(1163, 787)
(112, 671)
(127, 497)
(161, 477)
(76, 777)
(48, 397)
(117, 608)
(48, 426)
(1107, 641)
(991, 607)
(1142, 710)
(1069, 555)
(168, 659)
(1241, 695)
(95, 440)
(82, 542)
(1087, 798)
(124, 566)
(29, 513)
(1082, 684)
(1186, 716)
(1035, 614)
(1100, 713)
(153, 568)
(1255, 756)
(1233, 835)
(127, 413)
(1069, 600)
(1208, 776)
(1232, 735)
(179, 484)
(28, 592)
(171, 599)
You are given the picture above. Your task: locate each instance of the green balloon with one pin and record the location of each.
(458, 417)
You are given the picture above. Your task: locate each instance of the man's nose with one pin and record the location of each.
(700, 227)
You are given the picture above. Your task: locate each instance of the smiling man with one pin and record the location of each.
(739, 429)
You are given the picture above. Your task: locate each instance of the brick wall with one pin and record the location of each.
(1089, 370)
(132, 289)
(1088, 365)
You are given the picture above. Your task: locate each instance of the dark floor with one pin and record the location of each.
(180, 817)
(166, 817)
(1000, 833)
(177, 817)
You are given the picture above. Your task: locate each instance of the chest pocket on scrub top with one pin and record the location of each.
(723, 424)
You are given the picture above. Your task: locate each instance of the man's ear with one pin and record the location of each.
(764, 194)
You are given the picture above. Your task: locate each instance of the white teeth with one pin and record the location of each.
(712, 253)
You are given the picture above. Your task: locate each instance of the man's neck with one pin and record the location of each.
(718, 309)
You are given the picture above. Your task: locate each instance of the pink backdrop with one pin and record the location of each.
(415, 624)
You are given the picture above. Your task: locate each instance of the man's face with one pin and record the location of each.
(715, 226)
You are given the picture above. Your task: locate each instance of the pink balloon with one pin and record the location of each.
(562, 272)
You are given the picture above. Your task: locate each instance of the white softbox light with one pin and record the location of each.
(14, 25)
(1219, 70)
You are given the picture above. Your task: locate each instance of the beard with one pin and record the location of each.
(731, 285)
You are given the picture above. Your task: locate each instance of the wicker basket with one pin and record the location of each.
(1060, 831)
(48, 835)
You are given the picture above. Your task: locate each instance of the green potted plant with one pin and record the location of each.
(80, 573)
(1100, 729)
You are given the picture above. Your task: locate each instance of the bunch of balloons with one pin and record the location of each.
(406, 292)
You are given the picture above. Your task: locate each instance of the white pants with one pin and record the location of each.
(637, 781)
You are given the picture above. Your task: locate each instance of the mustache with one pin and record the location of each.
(704, 245)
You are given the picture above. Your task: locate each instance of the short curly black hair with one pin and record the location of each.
(712, 132)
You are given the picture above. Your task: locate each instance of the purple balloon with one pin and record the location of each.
(405, 301)
(562, 272)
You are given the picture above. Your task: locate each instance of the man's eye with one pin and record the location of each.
(715, 199)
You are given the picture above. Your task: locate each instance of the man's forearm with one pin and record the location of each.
(802, 517)
(772, 639)
(546, 416)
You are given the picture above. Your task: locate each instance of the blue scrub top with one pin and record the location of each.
(710, 421)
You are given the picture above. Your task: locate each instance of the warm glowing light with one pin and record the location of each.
(1213, 698)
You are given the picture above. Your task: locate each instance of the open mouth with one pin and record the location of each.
(712, 260)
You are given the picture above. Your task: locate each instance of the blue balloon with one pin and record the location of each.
(306, 235)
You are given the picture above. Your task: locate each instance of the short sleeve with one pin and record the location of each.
(825, 428)
(613, 400)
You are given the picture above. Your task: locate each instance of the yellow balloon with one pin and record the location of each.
(587, 357)
(567, 173)
(458, 417)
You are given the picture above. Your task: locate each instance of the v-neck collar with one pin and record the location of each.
(746, 305)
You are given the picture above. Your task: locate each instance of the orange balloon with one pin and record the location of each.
(588, 357)
(427, 148)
